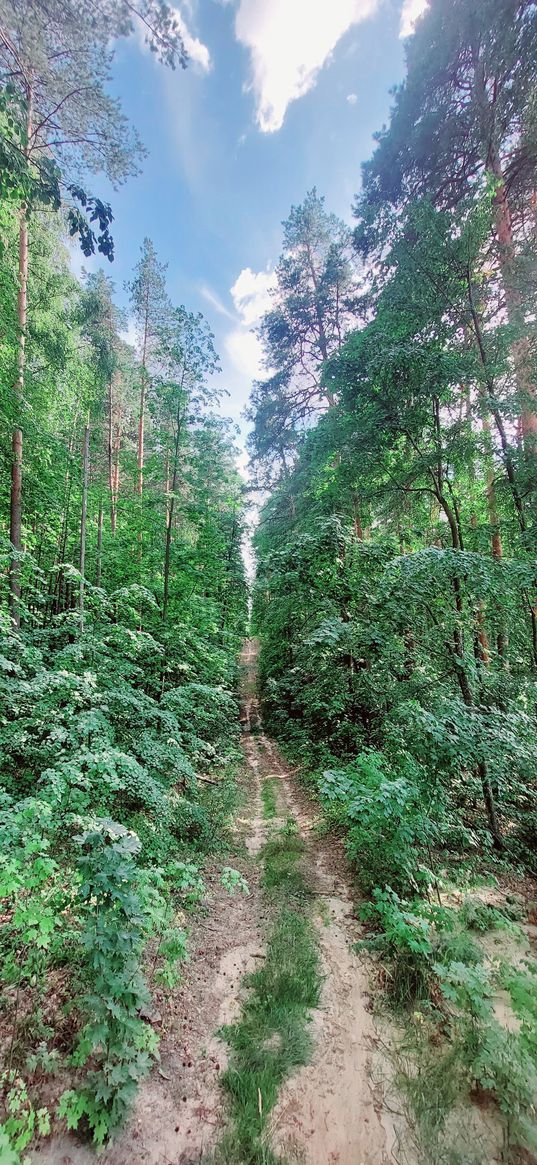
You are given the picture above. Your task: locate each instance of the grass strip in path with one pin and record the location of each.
(268, 797)
(271, 1037)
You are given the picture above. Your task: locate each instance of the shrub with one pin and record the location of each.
(388, 827)
(116, 1042)
(406, 942)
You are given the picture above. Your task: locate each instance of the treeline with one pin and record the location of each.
(396, 592)
(122, 594)
(397, 553)
(129, 475)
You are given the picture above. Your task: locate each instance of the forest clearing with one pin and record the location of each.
(268, 584)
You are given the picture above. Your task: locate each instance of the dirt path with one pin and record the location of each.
(328, 1114)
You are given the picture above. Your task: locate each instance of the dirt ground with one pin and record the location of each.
(328, 1113)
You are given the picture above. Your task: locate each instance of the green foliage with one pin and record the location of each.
(233, 881)
(186, 882)
(395, 587)
(388, 827)
(104, 728)
(494, 1057)
(118, 663)
(481, 916)
(406, 941)
(21, 1121)
(521, 983)
(116, 915)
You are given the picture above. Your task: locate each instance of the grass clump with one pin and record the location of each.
(271, 1036)
(281, 856)
(269, 798)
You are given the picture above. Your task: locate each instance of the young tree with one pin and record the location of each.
(313, 302)
(151, 309)
(190, 360)
(101, 322)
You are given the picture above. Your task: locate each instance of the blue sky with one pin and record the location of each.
(280, 95)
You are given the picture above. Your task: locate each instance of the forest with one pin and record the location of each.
(393, 449)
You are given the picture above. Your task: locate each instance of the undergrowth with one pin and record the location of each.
(460, 1068)
(104, 830)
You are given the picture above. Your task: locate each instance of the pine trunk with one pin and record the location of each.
(169, 515)
(15, 526)
(99, 545)
(15, 530)
(83, 521)
(526, 389)
(111, 467)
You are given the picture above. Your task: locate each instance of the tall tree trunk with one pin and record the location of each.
(117, 450)
(167, 486)
(169, 514)
(111, 466)
(457, 653)
(489, 384)
(143, 387)
(527, 392)
(15, 525)
(526, 389)
(98, 562)
(141, 431)
(358, 528)
(506, 452)
(492, 512)
(55, 590)
(83, 521)
(321, 333)
(482, 648)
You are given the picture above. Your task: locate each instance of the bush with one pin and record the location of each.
(406, 942)
(388, 828)
(115, 922)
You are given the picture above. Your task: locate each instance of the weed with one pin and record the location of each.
(405, 941)
(119, 1045)
(481, 916)
(21, 1120)
(233, 881)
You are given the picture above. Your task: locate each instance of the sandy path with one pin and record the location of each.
(328, 1112)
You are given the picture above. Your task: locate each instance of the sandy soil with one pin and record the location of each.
(329, 1112)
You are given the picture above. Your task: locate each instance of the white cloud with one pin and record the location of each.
(78, 262)
(351, 99)
(130, 333)
(251, 298)
(289, 42)
(214, 300)
(245, 352)
(411, 10)
(251, 294)
(198, 52)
